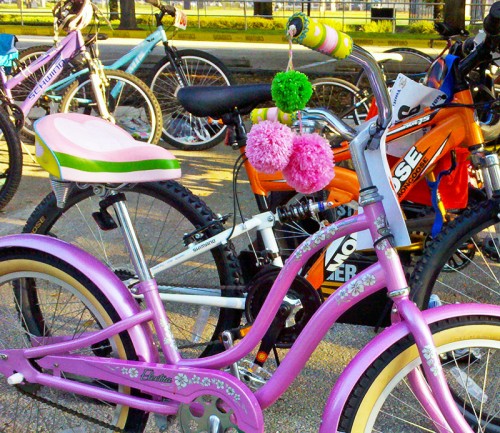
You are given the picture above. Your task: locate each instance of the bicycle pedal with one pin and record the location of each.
(104, 220)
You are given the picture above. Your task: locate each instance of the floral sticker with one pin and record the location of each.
(355, 288)
(131, 372)
(428, 352)
(380, 222)
(181, 380)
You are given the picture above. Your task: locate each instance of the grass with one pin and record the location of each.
(10, 14)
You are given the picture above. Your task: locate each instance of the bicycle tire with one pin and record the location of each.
(460, 264)
(11, 160)
(81, 308)
(136, 109)
(340, 97)
(364, 411)
(161, 213)
(414, 64)
(180, 128)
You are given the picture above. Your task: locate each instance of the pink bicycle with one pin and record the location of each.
(82, 355)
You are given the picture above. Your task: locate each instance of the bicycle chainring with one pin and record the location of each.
(301, 289)
(196, 416)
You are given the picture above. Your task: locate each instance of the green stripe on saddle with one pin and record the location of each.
(95, 166)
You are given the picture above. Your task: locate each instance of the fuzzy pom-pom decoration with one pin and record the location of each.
(311, 165)
(291, 91)
(269, 146)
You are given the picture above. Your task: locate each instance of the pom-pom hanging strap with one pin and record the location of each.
(290, 33)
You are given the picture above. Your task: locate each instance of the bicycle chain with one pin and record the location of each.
(71, 411)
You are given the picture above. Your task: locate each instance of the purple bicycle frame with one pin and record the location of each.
(59, 56)
(386, 273)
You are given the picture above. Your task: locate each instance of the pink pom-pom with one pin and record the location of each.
(311, 165)
(269, 146)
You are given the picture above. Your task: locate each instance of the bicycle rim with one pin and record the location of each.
(44, 300)
(180, 128)
(468, 348)
(127, 100)
(340, 97)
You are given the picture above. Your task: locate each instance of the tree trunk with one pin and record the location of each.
(113, 10)
(263, 9)
(127, 19)
(454, 13)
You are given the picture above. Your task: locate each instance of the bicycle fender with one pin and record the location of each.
(110, 285)
(356, 368)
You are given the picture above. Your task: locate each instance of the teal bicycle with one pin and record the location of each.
(177, 69)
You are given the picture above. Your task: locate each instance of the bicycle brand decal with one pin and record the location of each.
(409, 168)
(416, 122)
(52, 73)
(336, 254)
(206, 244)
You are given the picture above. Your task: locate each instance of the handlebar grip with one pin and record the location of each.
(274, 114)
(319, 37)
(491, 23)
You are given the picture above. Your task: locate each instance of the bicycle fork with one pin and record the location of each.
(99, 84)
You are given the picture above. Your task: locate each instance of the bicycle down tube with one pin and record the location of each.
(60, 54)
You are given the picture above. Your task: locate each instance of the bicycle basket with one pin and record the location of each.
(70, 15)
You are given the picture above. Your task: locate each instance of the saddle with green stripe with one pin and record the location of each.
(79, 148)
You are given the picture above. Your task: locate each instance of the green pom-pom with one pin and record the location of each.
(291, 91)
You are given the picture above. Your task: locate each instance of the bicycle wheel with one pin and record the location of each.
(180, 128)
(340, 97)
(161, 213)
(469, 348)
(414, 64)
(43, 296)
(11, 160)
(462, 263)
(47, 103)
(130, 101)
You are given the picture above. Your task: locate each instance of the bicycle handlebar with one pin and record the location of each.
(169, 10)
(329, 41)
(483, 51)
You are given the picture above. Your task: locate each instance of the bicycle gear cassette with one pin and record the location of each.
(205, 414)
(301, 290)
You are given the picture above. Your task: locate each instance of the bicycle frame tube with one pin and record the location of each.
(111, 286)
(135, 57)
(58, 55)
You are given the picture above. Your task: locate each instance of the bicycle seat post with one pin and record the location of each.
(131, 240)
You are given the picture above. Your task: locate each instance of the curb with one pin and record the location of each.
(231, 37)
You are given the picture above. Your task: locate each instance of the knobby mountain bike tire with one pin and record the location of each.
(44, 105)
(130, 101)
(340, 97)
(162, 213)
(462, 263)
(181, 129)
(43, 296)
(469, 351)
(11, 159)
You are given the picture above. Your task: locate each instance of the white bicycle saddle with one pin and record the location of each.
(79, 148)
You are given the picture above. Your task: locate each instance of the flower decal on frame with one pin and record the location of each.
(428, 352)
